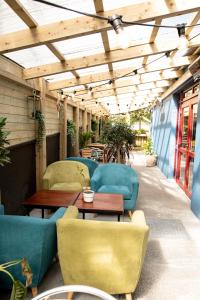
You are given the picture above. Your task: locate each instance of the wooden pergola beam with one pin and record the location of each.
(66, 29)
(174, 63)
(103, 58)
(20, 10)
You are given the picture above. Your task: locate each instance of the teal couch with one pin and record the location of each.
(91, 164)
(116, 178)
(1, 209)
(28, 237)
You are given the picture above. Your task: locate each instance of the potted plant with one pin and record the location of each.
(84, 138)
(119, 138)
(4, 152)
(39, 117)
(19, 290)
(71, 131)
(151, 157)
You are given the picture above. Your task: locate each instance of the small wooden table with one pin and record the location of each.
(47, 199)
(102, 203)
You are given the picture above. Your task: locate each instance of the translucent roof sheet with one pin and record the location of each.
(61, 76)
(45, 14)
(81, 46)
(110, 5)
(130, 63)
(33, 57)
(93, 70)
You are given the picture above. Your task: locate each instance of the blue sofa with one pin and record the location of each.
(91, 164)
(28, 237)
(1, 209)
(117, 178)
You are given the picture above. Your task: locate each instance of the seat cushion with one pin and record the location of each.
(68, 187)
(116, 189)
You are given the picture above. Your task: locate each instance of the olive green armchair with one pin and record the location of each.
(102, 254)
(69, 176)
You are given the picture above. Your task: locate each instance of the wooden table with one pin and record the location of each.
(102, 203)
(47, 199)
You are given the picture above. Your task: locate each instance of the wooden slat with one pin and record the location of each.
(187, 75)
(175, 63)
(147, 11)
(22, 13)
(55, 51)
(193, 22)
(103, 58)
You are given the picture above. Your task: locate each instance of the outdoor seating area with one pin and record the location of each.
(99, 149)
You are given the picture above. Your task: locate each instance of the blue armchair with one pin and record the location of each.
(91, 164)
(116, 178)
(28, 237)
(1, 209)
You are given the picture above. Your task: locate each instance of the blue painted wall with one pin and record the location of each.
(163, 133)
(195, 201)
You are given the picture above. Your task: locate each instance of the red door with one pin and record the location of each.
(185, 143)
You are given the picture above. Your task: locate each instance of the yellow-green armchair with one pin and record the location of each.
(69, 176)
(101, 254)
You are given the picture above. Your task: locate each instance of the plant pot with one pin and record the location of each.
(151, 160)
(88, 196)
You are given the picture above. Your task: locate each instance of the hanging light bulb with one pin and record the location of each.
(183, 41)
(122, 36)
(167, 55)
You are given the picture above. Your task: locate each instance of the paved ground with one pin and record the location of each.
(171, 269)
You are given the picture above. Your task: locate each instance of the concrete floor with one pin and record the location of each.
(171, 270)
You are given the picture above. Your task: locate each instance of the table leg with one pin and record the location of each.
(118, 218)
(83, 215)
(42, 213)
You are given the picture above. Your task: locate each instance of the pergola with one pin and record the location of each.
(81, 56)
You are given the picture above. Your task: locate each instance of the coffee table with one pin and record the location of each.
(102, 203)
(47, 199)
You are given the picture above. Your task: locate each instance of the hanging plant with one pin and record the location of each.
(94, 125)
(71, 128)
(40, 126)
(4, 152)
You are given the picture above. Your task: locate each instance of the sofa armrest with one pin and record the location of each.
(47, 181)
(58, 214)
(71, 213)
(1, 209)
(138, 218)
(95, 182)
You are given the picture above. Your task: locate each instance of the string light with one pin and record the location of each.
(73, 94)
(183, 41)
(90, 91)
(122, 36)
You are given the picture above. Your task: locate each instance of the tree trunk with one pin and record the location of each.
(118, 156)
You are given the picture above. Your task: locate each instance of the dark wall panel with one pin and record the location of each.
(18, 179)
(53, 146)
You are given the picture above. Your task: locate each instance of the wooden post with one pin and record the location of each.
(89, 121)
(63, 130)
(76, 120)
(41, 147)
(85, 120)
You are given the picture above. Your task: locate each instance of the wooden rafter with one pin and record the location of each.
(66, 29)
(154, 33)
(103, 58)
(175, 63)
(18, 8)
(24, 15)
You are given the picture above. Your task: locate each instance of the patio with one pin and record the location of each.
(72, 71)
(171, 268)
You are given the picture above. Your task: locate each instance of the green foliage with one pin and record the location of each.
(84, 138)
(4, 152)
(119, 138)
(19, 290)
(139, 131)
(148, 147)
(71, 128)
(140, 115)
(118, 119)
(40, 126)
(94, 125)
